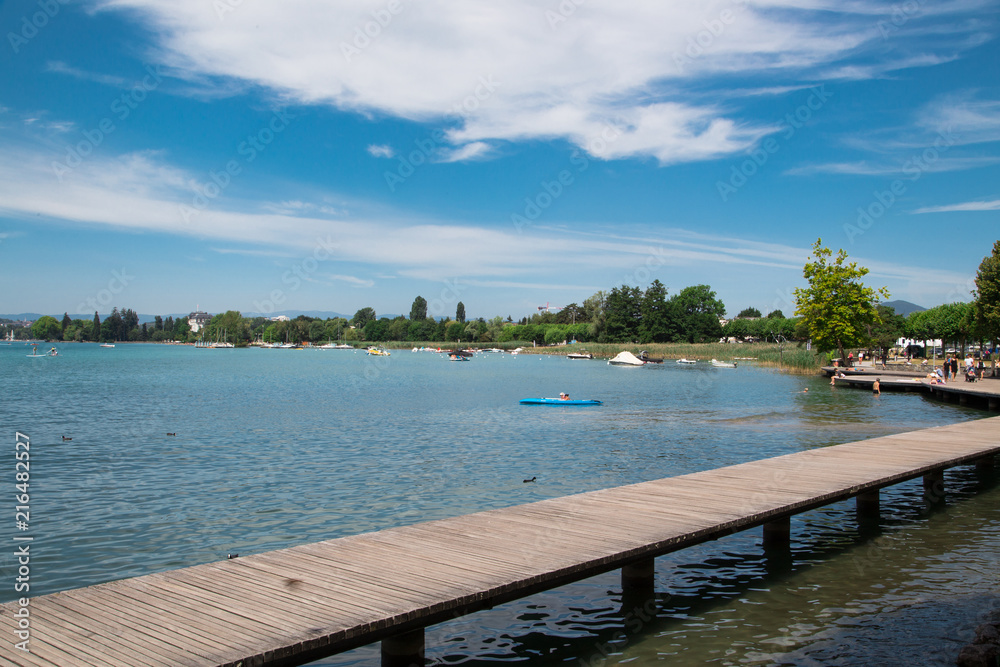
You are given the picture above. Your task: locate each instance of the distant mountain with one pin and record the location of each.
(903, 308)
(323, 314)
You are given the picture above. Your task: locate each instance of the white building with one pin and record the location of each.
(197, 320)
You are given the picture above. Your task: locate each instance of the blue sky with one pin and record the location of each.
(307, 155)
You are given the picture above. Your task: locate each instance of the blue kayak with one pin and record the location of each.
(557, 401)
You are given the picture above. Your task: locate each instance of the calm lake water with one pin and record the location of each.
(279, 447)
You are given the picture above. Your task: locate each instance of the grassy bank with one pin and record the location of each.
(790, 357)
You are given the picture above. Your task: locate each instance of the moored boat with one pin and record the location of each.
(682, 360)
(626, 358)
(723, 364)
(558, 401)
(579, 355)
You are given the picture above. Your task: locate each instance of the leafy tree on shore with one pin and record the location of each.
(749, 312)
(987, 296)
(363, 317)
(66, 321)
(836, 305)
(658, 323)
(95, 333)
(887, 329)
(47, 327)
(698, 312)
(776, 314)
(623, 312)
(460, 313)
(418, 311)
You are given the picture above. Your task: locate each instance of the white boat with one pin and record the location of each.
(682, 360)
(378, 352)
(517, 350)
(107, 344)
(723, 364)
(579, 355)
(626, 358)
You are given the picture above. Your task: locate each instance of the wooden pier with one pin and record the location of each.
(982, 393)
(294, 605)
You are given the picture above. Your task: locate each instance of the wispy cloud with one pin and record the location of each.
(351, 280)
(865, 168)
(253, 253)
(107, 79)
(381, 150)
(966, 206)
(472, 151)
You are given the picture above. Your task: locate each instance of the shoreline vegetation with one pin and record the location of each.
(788, 357)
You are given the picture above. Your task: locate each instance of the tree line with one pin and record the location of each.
(836, 310)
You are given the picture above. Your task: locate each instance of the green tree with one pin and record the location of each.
(115, 326)
(749, 312)
(836, 305)
(47, 327)
(657, 324)
(418, 311)
(986, 305)
(317, 331)
(887, 329)
(570, 314)
(460, 313)
(455, 330)
(776, 314)
(181, 329)
(66, 321)
(623, 313)
(698, 312)
(363, 317)
(95, 332)
(158, 323)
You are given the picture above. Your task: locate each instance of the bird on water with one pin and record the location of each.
(529, 480)
(65, 439)
(171, 434)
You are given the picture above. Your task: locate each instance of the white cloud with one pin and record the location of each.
(521, 70)
(477, 149)
(907, 166)
(352, 280)
(381, 150)
(966, 206)
(107, 79)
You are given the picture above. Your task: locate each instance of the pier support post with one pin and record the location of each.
(986, 464)
(868, 510)
(639, 577)
(777, 545)
(638, 585)
(404, 650)
(994, 404)
(963, 399)
(934, 487)
(777, 534)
